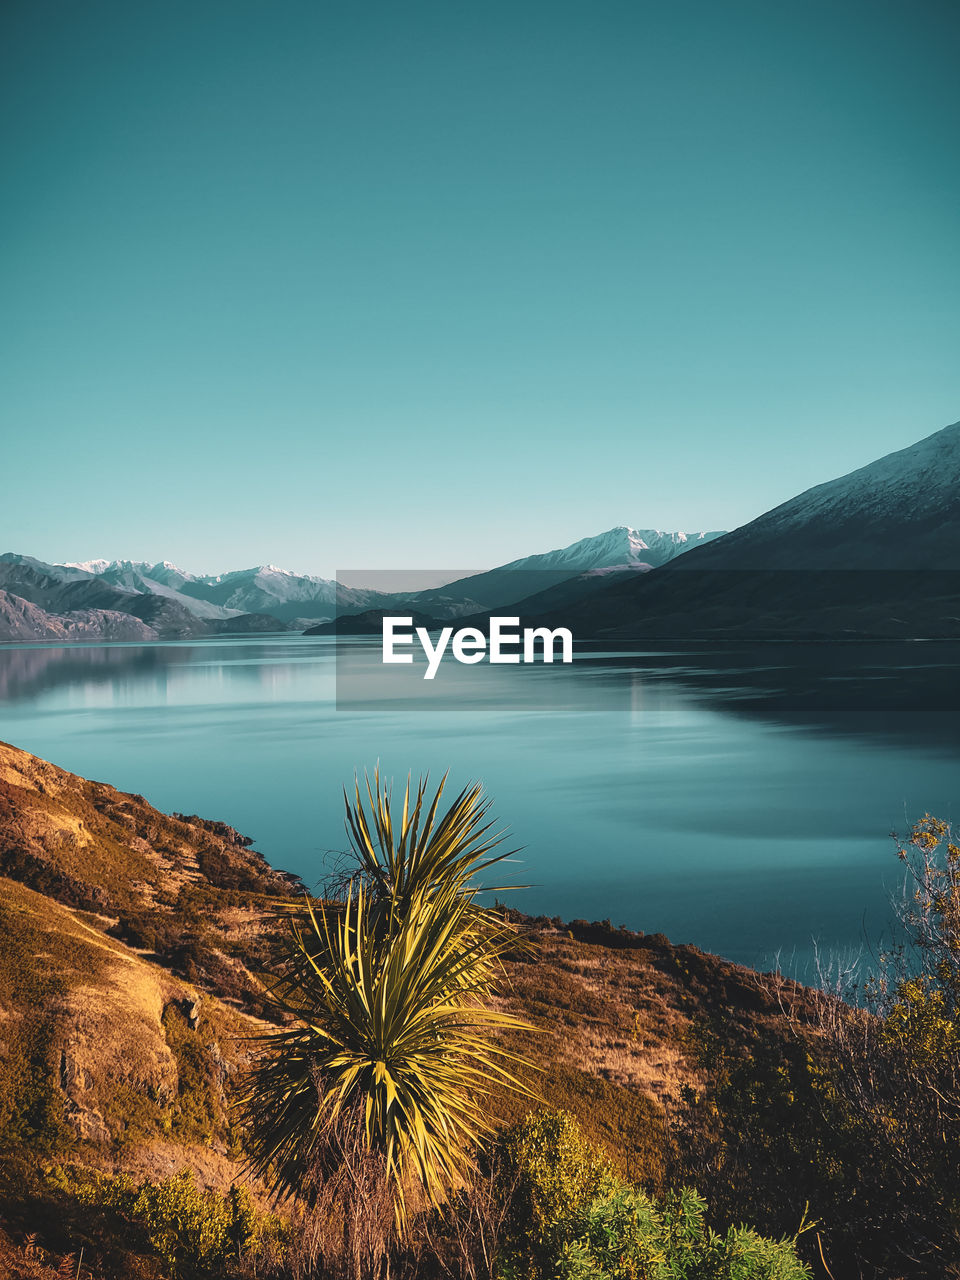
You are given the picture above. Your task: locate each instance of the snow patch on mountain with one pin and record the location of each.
(621, 547)
(87, 566)
(143, 578)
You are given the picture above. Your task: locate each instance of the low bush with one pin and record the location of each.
(195, 1233)
(857, 1122)
(625, 1235)
(571, 1217)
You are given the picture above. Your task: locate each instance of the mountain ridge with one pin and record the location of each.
(621, 549)
(21, 620)
(176, 604)
(871, 554)
(900, 511)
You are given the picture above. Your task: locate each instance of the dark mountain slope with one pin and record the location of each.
(21, 620)
(900, 512)
(69, 590)
(872, 554)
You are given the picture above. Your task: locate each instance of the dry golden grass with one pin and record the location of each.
(113, 1037)
(96, 847)
(611, 1014)
(132, 1085)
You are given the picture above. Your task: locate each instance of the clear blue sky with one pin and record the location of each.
(416, 285)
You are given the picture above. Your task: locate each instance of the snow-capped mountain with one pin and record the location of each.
(618, 550)
(264, 586)
(163, 579)
(900, 512)
(57, 588)
(287, 596)
(164, 573)
(89, 566)
(871, 554)
(266, 589)
(61, 589)
(263, 589)
(279, 592)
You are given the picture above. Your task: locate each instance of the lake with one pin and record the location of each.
(739, 800)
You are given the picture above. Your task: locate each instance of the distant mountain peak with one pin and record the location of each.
(620, 549)
(100, 567)
(87, 566)
(623, 546)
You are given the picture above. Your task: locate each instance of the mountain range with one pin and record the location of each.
(171, 603)
(60, 594)
(618, 551)
(281, 594)
(873, 553)
(21, 620)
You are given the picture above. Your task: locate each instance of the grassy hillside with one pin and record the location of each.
(133, 953)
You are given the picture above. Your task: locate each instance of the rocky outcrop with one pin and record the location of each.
(21, 620)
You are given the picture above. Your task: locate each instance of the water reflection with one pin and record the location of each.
(736, 798)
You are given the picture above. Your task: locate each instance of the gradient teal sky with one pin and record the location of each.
(433, 284)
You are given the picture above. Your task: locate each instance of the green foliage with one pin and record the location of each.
(623, 1122)
(858, 1118)
(551, 1174)
(772, 1138)
(190, 1229)
(918, 992)
(196, 1114)
(627, 1126)
(194, 1232)
(625, 1235)
(922, 1021)
(572, 1218)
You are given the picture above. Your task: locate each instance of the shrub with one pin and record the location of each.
(626, 1235)
(861, 1121)
(572, 1218)
(551, 1173)
(189, 1228)
(194, 1232)
(196, 1114)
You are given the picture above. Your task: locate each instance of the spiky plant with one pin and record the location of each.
(386, 992)
(421, 854)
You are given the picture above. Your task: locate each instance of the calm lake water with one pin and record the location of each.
(741, 801)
